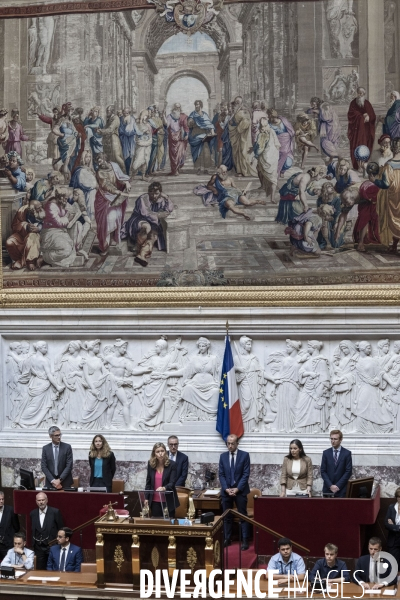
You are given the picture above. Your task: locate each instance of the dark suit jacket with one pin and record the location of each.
(393, 539)
(8, 526)
(65, 463)
(362, 567)
(109, 469)
(53, 522)
(336, 474)
(73, 559)
(168, 481)
(182, 467)
(242, 472)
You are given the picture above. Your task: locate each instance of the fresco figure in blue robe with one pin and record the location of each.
(127, 132)
(201, 138)
(92, 124)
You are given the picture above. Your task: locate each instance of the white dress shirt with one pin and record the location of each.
(42, 514)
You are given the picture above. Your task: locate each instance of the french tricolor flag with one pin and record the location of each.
(229, 415)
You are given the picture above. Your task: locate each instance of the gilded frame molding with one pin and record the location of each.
(199, 296)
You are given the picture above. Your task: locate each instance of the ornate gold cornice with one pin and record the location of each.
(352, 295)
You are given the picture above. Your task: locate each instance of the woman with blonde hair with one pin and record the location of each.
(102, 463)
(161, 477)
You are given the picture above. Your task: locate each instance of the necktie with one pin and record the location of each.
(335, 458)
(62, 563)
(232, 469)
(56, 461)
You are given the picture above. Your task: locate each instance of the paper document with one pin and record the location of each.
(43, 578)
(19, 574)
(389, 592)
(372, 591)
(212, 492)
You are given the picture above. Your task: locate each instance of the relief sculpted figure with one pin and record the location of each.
(43, 389)
(345, 357)
(314, 376)
(45, 39)
(251, 384)
(391, 393)
(70, 374)
(14, 362)
(372, 413)
(101, 388)
(161, 365)
(201, 385)
(286, 367)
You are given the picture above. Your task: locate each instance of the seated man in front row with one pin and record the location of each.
(65, 556)
(287, 563)
(19, 556)
(330, 567)
(367, 572)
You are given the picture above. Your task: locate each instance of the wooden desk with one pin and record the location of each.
(123, 548)
(349, 589)
(313, 521)
(207, 503)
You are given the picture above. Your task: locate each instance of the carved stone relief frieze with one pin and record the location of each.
(285, 386)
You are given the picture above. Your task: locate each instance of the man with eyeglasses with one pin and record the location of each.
(180, 459)
(65, 556)
(19, 556)
(57, 461)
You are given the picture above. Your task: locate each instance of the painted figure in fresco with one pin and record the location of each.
(228, 195)
(343, 173)
(178, 132)
(314, 110)
(256, 116)
(110, 203)
(285, 132)
(52, 147)
(293, 199)
(239, 127)
(143, 142)
(43, 189)
(329, 131)
(362, 119)
(157, 147)
(387, 206)
(93, 125)
(67, 140)
(57, 247)
(84, 178)
(391, 123)
(266, 150)
(144, 227)
(220, 121)
(14, 172)
(342, 25)
(111, 142)
(16, 134)
(303, 231)
(127, 133)
(201, 138)
(305, 132)
(23, 245)
(80, 146)
(329, 209)
(3, 130)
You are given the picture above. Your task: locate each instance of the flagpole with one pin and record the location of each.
(227, 327)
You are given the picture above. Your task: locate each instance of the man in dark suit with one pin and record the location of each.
(336, 466)
(180, 459)
(65, 556)
(45, 522)
(9, 524)
(371, 569)
(57, 461)
(234, 472)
